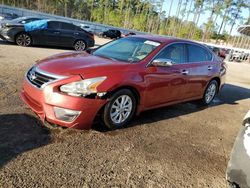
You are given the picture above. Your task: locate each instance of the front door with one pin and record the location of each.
(167, 84)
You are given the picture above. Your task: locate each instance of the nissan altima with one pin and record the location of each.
(121, 79)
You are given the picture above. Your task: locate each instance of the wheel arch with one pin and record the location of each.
(131, 88)
(21, 32)
(80, 39)
(217, 79)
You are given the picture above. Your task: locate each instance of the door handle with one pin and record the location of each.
(184, 72)
(56, 32)
(209, 68)
(76, 33)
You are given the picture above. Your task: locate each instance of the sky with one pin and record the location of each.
(205, 15)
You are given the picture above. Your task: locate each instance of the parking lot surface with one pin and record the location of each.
(178, 146)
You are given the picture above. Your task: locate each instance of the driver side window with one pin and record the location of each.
(174, 52)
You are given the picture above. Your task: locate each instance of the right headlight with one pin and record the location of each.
(83, 87)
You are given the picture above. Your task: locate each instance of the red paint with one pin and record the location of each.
(157, 86)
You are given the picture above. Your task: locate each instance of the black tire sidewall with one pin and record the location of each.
(204, 95)
(106, 112)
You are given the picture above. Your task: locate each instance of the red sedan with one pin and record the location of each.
(121, 79)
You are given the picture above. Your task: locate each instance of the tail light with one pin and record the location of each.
(92, 36)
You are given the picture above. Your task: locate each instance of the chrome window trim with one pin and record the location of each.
(57, 77)
(182, 42)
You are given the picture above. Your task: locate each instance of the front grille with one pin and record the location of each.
(38, 78)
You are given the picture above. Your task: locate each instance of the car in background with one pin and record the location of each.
(128, 34)
(7, 16)
(238, 170)
(18, 21)
(50, 33)
(111, 33)
(121, 79)
(220, 52)
(236, 56)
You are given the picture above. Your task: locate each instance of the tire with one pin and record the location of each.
(210, 93)
(80, 45)
(23, 39)
(113, 115)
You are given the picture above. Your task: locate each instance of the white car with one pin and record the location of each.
(238, 170)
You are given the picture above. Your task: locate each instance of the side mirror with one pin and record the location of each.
(162, 62)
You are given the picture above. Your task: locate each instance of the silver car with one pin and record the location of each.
(238, 170)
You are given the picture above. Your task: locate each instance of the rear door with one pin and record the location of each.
(68, 34)
(201, 69)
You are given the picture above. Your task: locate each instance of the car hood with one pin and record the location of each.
(74, 63)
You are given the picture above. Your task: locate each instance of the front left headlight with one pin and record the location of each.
(83, 88)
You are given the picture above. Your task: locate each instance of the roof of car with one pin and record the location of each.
(162, 39)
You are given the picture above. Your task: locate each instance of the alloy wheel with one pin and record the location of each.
(80, 45)
(23, 40)
(210, 92)
(121, 109)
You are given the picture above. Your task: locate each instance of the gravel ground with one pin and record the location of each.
(179, 146)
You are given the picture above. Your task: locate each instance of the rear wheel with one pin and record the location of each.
(80, 45)
(119, 110)
(210, 92)
(23, 39)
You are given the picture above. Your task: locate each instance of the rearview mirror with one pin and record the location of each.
(162, 62)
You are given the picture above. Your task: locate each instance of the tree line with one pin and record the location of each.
(150, 16)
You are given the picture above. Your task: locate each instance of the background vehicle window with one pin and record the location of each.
(198, 54)
(54, 25)
(174, 52)
(67, 26)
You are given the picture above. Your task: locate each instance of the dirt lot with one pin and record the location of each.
(178, 146)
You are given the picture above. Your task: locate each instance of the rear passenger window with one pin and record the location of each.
(78, 28)
(54, 25)
(174, 52)
(198, 54)
(67, 26)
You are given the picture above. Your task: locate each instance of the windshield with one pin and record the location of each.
(130, 49)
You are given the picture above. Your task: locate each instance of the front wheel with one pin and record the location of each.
(80, 45)
(119, 110)
(210, 93)
(23, 39)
